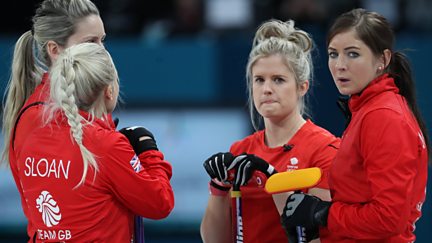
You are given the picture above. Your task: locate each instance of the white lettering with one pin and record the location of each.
(302, 233)
(27, 161)
(52, 169)
(65, 172)
(54, 234)
(64, 235)
(239, 237)
(32, 168)
(49, 234)
(46, 168)
(239, 230)
(38, 166)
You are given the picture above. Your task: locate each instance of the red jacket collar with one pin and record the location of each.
(105, 122)
(381, 84)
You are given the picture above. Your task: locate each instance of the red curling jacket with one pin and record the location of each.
(378, 178)
(47, 166)
(311, 146)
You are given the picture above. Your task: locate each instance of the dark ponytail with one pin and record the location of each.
(400, 69)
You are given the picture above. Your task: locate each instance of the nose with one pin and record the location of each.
(340, 63)
(267, 87)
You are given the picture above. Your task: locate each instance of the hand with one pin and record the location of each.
(247, 164)
(305, 210)
(217, 167)
(140, 138)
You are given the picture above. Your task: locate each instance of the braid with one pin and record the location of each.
(79, 77)
(68, 104)
(54, 20)
(66, 101)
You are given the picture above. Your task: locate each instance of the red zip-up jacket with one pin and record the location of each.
(378, 178)
(311, 146)
(28, 119)
(47, 166)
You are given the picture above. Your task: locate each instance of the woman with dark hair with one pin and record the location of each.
(378, 178)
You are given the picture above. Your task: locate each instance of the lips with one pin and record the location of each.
(343, 80)
(267, 101)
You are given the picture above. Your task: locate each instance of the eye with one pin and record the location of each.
(353, 54)
(90, 41)
(258, 80)
(332, 54)
(278, 80)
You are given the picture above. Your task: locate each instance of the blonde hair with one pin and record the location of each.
(275, 37)
(78, 79)
(54, 20)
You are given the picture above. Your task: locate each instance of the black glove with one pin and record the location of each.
(305, 210)
(217, 166)
(247, 164)
(135, 134)
(301, 234)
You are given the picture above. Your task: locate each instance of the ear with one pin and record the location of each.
(108, 92)
(303, 88)
(386, 58)
(53, 50)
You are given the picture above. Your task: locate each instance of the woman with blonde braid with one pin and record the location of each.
(84, 181)
(57, 24)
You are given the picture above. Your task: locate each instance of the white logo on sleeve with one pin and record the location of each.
(49, 209)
